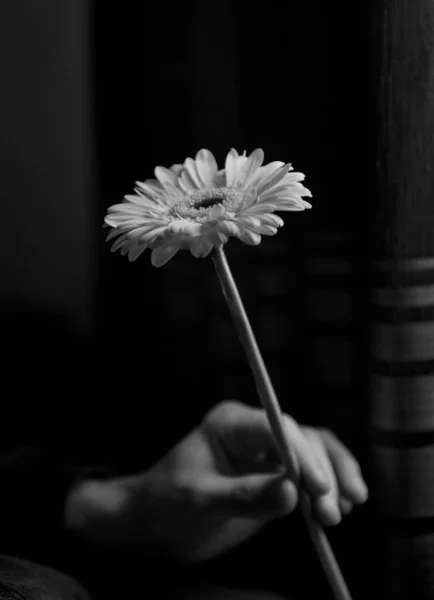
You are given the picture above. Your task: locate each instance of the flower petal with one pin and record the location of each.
(139, 231)
(231, 166)
(262, 207)
(193, 229)
(233, 163)
(176, 168)
(151, 184)
(266, 230)
(125, 248)
(206, 166)
(250, 220)
(215, 235)
(118, 243)
(273, 179)
(186, 181)
(183, 226)
(220, 178)
(216, 212)
(113, 233)
(176, 227)
(152, 189)
(161, 255)
(279, 201)
(151, 236)
(247, 171)
(140, 200)
(292, 189)
(264, 172)
(250, 197)
(229, 227)
(272, 220)
(202, 248)
(293, 177)
(250, 237)
(190, 167)
(135, 251)
(126, 208)
(290, 207)
(165, 176)
(124, 222)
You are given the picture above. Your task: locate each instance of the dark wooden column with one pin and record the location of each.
(402, 299)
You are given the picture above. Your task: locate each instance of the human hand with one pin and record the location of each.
(223, 482)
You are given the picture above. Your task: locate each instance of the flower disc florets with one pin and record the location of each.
(198, 205)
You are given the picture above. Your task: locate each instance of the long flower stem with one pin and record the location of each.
(272, 408)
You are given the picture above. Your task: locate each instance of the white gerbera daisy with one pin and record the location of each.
(196, 206)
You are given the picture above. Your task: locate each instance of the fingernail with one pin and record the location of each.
(345, 507)
(360, 488)
(333, 512)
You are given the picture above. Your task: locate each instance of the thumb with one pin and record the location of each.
(262, 496)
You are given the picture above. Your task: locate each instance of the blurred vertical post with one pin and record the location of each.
(46, 154)
(47, 243)
(402, 298)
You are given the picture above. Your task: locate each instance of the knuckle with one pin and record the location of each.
(326, 433)
(182, 483)
(226, 410)
(290, 422)
(311, 434)
(194, 495)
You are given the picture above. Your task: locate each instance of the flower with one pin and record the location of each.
(196, 206)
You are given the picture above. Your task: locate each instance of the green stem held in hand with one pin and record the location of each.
(272, 408)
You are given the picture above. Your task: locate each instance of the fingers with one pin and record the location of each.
(245, 433)
(343, 471)
(327, 469)
(256, 496)
(347, 470)
(345, 506)
(314, 478)
(326, 506)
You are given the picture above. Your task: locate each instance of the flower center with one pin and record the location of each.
(198, 204)
(207, 202)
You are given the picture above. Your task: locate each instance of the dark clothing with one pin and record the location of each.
(35, 484)
(23, 580)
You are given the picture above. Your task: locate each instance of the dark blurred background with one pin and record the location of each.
(115, 361)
